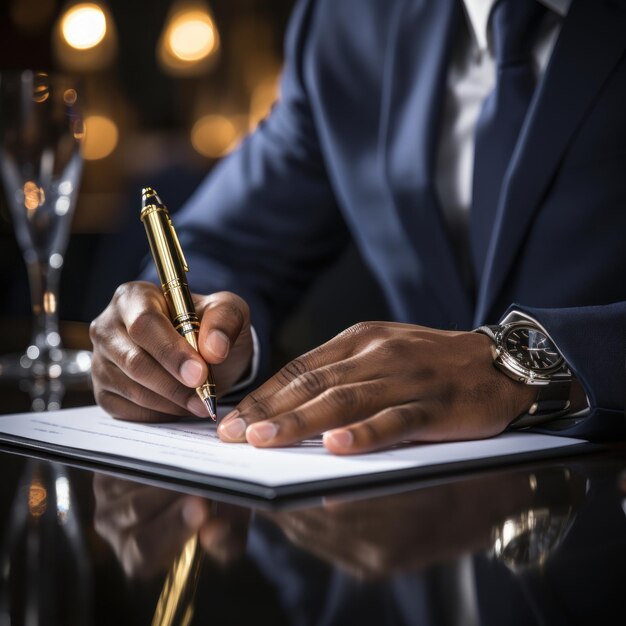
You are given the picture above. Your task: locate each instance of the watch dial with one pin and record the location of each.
(532, 348)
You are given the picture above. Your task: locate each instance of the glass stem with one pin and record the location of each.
(44, 291)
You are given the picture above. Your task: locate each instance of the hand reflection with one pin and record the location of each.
(147, 526)
(374, 538)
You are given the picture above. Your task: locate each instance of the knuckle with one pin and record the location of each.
(231, 307)
(122, 291)
(311, 383)
(294, 369)
(368, 434)
(167, 353)
(234, 314)
(140, 325)
(394, 347)
(104, 398)
(258, 412)
(341, 397)
(360, 329)
(134, 359)
(298, 421)
(404, 418)
(137, 394)
(180, 394)
(94, 330)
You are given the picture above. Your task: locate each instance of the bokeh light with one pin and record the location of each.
(191, 36)
(214, 135)
(84, 26)
(189, 41)
(101, 137)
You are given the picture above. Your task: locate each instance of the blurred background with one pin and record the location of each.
(169, 87)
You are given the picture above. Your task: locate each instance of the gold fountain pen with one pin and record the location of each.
(172, 267)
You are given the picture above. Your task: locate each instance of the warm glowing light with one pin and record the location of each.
(263, 97)
(84, 26)
(70, 96)
(34, 196)
(101, 137)
(37, 498)
(214, 136)
(84, 37)
(41, 92)
(191, 36)
(49, 302)
(190, 39)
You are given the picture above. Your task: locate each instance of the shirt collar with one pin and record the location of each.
(478, 12)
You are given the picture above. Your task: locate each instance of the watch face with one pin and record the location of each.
(531, 348)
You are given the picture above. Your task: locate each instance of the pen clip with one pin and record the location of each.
(179, 250)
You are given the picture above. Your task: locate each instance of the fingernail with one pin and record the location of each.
(193, 514)
(339, 438)
(191, 373)
(197, 407)
(218, 343)
(233, 429)
(261, 432)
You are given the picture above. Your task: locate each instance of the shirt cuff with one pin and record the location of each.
(254, 365)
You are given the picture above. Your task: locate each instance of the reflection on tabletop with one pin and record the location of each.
(518, 531)
(147, 527)
(45, 573)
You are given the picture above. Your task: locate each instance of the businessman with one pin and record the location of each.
(475, 152)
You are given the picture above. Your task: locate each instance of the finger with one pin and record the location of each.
(221, 541)
(412, 421)
(333, 351)
(145, 318)
(183, 400)
(336, 406)
(133, 509)
(108, 488)
(302, 389)
(140, 366)
(146, 550)
(123, 409)
(224, 316)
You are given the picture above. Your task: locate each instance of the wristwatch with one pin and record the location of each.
(528, 537)
(525, 353)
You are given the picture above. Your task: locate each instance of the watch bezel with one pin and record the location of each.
(510, 365)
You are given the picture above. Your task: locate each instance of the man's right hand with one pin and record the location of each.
(143, 370)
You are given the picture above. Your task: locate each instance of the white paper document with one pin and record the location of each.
(191, 450)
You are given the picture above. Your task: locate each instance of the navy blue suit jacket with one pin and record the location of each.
(349, 151)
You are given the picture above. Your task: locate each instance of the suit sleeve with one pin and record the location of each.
(592, 340)
(265, 221)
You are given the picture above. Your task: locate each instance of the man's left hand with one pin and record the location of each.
(378, 384)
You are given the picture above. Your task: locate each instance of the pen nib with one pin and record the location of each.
(211, 406)
(150, 197)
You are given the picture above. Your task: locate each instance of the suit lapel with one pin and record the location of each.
(417, 63)
(592, 39)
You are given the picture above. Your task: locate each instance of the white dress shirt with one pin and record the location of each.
(471, 77)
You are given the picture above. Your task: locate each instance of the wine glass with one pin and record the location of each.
(41, 131)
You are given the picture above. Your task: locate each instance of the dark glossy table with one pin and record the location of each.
(533, 543)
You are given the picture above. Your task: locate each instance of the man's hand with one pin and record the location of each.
(144, 370)
(378, 384)
(147, 526)
(378, 537)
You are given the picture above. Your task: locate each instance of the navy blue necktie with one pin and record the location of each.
(513, 25)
